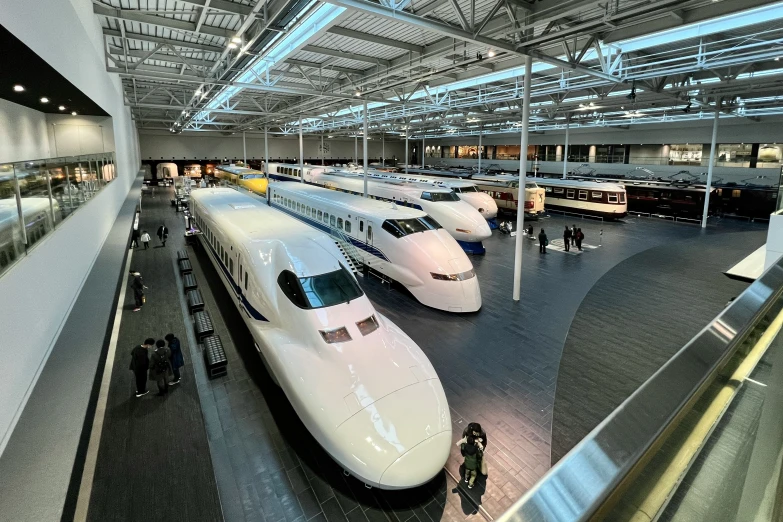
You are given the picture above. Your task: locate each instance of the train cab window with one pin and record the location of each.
(319, 291)
(332, 220)
(361, 225)
(320, 215)
(403, 227)
(439, 196)
(622, 197)
(597, 195)
(347, 226)
(612, 198)
(583, 195)
(570, 193)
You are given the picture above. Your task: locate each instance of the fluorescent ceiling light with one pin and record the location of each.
(18, 88)
(44, 100)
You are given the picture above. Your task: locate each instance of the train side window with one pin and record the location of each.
(348, 226)
(332, 220)
(3, 259)
(583, 195)
(558, 190)
(320, 215)
(622, 197)
(326, 217)
(245, 281)
(736, 193)
(369, 232)
(597, 195)
(298, 207)
(612, 198)
(340, 223)
(570, 193)
(231, 266)
(549, 189)
(361, 225)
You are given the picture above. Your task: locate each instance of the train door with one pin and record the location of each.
(370, 228)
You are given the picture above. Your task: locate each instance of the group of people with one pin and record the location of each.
(157, 362)
(572, 237)
(472, 446)
(163, 235)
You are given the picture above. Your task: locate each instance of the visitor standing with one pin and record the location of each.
(160, 366)
(140, 363)
(177, 361)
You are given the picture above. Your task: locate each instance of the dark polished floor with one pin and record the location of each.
(499, 367)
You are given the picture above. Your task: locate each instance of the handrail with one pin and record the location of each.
(580, 483)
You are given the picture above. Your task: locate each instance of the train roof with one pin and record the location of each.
(261, 228)
(351, 202)
(407, 186)
(579, 183)
(440, 180)
(233, 169)
(9, 212)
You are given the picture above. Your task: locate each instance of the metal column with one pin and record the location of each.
(68, 184)
(520, 228)
(356, 148)
(244, 149)
(406, 150)
(712, 164)
(423, 149)
(323, 152)
(301, 152)
(364, 151)
(51, 196)
(266, 153)
(383, 150)
(479, 152)
(565, 150)
(19, 210)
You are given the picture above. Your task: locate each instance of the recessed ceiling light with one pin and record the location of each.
(61, 107)
(18, 88)
(236, 40)
(491, 53)
(232, 45)
(44, 100)
(73, 113)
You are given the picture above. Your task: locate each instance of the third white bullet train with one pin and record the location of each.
(363, 388)
(402, 243)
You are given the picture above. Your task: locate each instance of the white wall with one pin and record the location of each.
(185, 146)
(23, 133)
(65, 35)
(74, 135)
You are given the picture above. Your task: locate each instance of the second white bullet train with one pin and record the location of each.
(363, 388)
(401, 243)
(459, 218)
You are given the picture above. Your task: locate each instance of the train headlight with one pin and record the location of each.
(368, 325)
(335, 335)
(462, 276)
(464, 231)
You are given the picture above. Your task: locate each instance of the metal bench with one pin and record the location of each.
(184, 266)
(195, 301)
(214, 357)
(202, 324)
(182, 254)
(189, 281)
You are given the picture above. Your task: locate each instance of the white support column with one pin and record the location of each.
(712, 164)
(364, 151)
(266, 152)
(356, 147)
(422, 150)
(565, 150)
(244, 148)
(323, 152)
(407, 159)
(520, 228)
(479, 152)
(301, 152)
(383, 150)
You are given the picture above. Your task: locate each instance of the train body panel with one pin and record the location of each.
(348, 371)
(402, 243)
(250, 179)
(607, 200)
(459, 218)
(166, 170)
(38, 221)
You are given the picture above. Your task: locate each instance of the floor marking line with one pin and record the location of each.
(91, 459)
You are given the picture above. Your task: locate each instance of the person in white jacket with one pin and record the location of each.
(145, 238)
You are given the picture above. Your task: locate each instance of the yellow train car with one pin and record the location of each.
(250, 179)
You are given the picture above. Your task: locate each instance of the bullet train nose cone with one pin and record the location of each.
(407, 470)
(390, 430)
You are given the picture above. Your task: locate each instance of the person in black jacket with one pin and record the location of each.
(163, 233)
(567, 238)
(579, 237)
(542, 241)
(177, 361)
(160, 366)
(137, 285)
(140, 363)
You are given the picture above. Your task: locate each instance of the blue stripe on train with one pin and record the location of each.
(320, 226)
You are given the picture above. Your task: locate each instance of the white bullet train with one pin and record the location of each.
(459, 218)
(401, 243)
(465, 190)
(363, 388)
(39, 218)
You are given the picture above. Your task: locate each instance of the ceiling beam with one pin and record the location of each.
(350, 33)
(222, 5)
(159, 21)
(347, 55)
(163, 57)
(315, 65)
(157, 39)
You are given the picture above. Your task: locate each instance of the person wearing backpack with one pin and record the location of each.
(579, 237)
(177, 361)
(160, 366)
(471, 454)
(543, 241)
(140, 363)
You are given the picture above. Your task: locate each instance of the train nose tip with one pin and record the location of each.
(409, 468)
